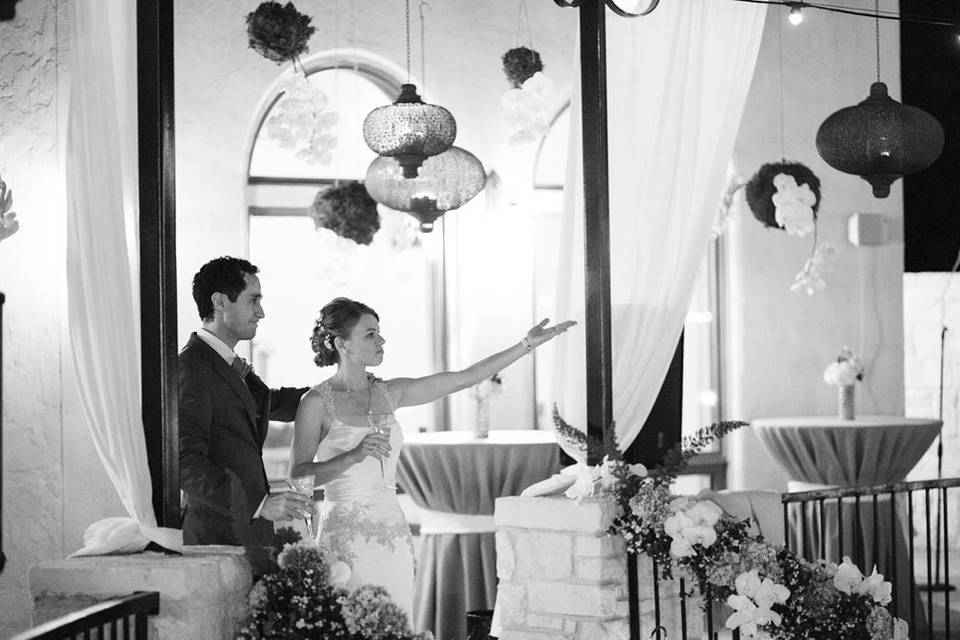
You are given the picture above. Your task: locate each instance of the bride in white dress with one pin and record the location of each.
(346, 435)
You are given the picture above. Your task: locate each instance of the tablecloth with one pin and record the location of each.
(821, 451)
(451, 475)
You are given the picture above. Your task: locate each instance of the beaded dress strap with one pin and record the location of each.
(326, 395)
(382, 386)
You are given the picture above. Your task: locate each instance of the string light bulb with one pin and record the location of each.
(796, 13)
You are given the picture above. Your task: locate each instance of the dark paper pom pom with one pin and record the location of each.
(520, 64)
(348, 211)
(279, 33)
(760, 189)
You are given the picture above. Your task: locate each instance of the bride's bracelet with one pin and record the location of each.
(526, 344)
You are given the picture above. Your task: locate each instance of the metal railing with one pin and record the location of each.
(122, 618)
(902, 529)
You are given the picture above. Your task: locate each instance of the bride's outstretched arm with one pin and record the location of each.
(311, 425)
(414, 391)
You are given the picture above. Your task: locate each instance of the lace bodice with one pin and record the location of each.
(362, 481)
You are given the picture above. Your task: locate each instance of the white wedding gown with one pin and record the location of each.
(360, 518)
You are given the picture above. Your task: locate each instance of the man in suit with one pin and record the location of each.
(224, 412)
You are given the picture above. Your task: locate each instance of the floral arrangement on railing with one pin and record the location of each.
(347, 210)
(301, 595)
(773, 593)
(9, 224)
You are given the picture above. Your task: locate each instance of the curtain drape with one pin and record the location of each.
(677, 84)
(102, 269)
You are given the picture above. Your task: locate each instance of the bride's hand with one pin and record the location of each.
(376, 445)
(541, 333)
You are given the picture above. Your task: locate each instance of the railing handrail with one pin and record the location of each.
(846, 492)
(140, 603)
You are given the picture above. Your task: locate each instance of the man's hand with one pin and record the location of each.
(287, 505)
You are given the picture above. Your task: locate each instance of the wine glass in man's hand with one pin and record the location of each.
(304, 486)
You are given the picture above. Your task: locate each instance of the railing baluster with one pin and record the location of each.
(892, 552)
(656, 599)
(839, 555)
(913, 559)
(804, 544)
(822, 548)
(946, 565)
(707, 598)
(683, 609)
(113, 630)
(875, 547)
(926, 516)
(858, 552)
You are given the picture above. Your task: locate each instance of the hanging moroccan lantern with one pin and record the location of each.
(409, 130)
(880, 140)
(445, 182)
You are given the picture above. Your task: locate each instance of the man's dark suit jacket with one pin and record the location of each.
(223, 423)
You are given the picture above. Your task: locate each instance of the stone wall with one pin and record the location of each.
(563, 578)
(202, 595)
(930, 302)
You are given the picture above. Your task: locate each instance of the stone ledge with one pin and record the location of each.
(554, 513)
(202, 593)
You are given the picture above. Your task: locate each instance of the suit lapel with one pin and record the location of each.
(231, 377)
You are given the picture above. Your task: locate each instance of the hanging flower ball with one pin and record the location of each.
(785, 195)
(348, 211)
(520, 64)
(278, 32)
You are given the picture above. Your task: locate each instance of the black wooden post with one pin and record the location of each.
(158, 268)
(596, 222)
(3, 558)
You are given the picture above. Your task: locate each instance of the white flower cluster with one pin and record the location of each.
(591, 480)
(752, 604)
(340, 572)
(848, 579)
(845, 370)
(8, 222)
(302, 121)
(529, 108)
(809, 279)
(794, 205)
(691, 523)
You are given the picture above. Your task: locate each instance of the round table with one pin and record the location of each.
(455, 479)
(866, 451)
(818, 452)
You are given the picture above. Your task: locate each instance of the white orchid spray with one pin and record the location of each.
(9, 224)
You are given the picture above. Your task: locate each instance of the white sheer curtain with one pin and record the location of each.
(102, 281)
(677, 83)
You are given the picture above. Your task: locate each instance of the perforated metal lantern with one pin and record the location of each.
(880, 140)
(409, 130)
(445, 182)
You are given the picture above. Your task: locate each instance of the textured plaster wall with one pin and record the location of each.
(53, 483)
(777, 343)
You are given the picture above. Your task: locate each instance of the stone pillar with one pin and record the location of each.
(203, 596)
(560, 575)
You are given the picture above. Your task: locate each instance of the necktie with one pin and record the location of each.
(241, 366)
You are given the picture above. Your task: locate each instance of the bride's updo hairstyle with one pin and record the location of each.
(337, 319)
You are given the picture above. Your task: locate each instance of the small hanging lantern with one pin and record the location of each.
(409, 130)
(880, 140)
(445, 182)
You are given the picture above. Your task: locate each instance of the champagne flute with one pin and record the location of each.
(380, 424)
(304, 485)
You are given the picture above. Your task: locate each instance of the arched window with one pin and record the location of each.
(303, 267)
